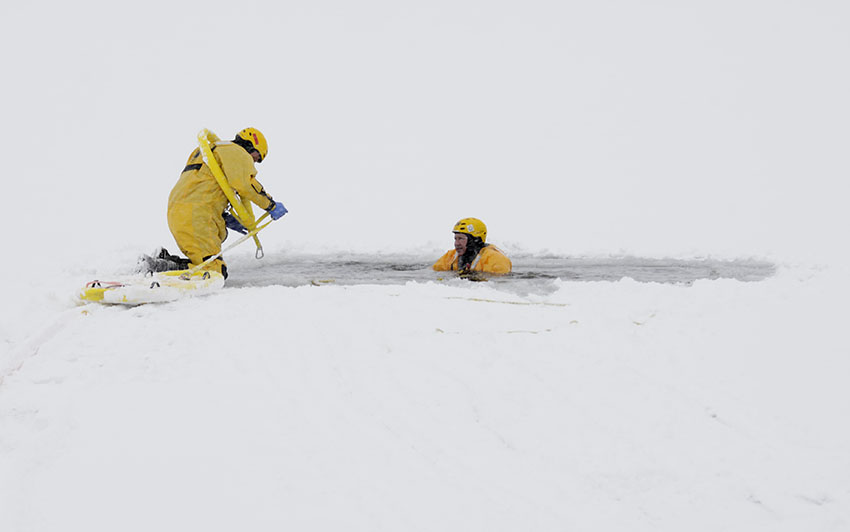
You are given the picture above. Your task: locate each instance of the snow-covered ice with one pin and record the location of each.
(432, 405)
(618, 138)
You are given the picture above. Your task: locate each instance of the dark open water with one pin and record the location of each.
(530, 273)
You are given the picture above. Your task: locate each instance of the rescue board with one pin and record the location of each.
(159, 287)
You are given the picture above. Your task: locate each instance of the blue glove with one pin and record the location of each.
(233, 223)
(278, 210)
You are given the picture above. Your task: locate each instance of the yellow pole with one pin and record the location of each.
(252, 233)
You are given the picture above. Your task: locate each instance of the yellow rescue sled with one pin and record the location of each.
(159, 287)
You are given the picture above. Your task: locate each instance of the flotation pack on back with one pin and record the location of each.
(242, 209)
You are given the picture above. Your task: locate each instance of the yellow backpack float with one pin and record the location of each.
(242, 210)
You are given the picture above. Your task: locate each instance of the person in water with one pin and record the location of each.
(471, 253)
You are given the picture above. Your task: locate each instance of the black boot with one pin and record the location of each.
(161, 262)
(175, 262)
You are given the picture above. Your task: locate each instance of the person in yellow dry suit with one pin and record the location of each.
(471, 254)
(197, 205)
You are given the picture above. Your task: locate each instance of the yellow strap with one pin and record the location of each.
(243, 211)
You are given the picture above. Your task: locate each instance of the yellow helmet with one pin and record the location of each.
(473, 227)
(256, 139)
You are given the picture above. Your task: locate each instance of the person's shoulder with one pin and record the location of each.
(491, 249)
(231, 149)
(233, 154)
(444, 263)
(494, 260)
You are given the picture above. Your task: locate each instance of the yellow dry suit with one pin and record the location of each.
(489, 260)
(196, 203)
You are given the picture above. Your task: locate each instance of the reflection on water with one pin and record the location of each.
(530, 273)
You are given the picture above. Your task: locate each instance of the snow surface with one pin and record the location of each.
(577, 129)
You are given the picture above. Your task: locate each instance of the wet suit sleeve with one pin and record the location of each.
(240, 174)
(446, 262)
